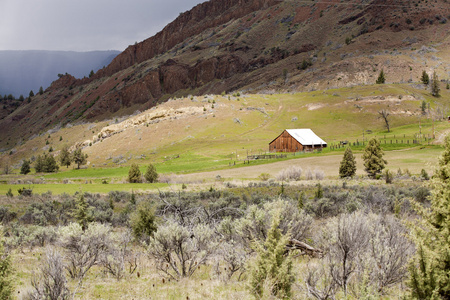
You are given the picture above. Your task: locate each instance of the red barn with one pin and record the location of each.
(295, 140)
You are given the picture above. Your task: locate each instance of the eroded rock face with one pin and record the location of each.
(201, 17)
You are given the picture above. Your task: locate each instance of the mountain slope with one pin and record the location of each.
(253, 46)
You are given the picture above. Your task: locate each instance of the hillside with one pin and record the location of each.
(209, 132)
(252, 46)
(22, 71)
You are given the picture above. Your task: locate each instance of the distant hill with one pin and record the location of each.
(22, 71)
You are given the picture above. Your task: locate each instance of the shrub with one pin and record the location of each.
(388, 176)
(381, 78)
(424, 175)
(179, 251)
(50, 282)
(291, 173)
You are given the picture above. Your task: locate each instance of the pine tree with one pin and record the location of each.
(151, 175)
(425, 78)
(65, 158)
(271, 272)
(348, 164)
(81, 213)
(381, 78)
(430, 268)
(435, 89)
(25, 169)
(41, 90)
(134, 174)
(373, 158)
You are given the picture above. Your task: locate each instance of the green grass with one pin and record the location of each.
(58, 189)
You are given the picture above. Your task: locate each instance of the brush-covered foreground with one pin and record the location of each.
(204, 243)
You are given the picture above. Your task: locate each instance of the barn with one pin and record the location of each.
(295, 140)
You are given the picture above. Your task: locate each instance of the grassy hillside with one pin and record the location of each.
(194, 134)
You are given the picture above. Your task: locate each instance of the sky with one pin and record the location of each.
(84, 25)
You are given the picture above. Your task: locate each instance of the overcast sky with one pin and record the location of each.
(84, 25)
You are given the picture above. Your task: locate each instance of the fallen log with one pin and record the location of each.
(304, 248)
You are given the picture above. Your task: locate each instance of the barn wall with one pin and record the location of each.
(285, 143)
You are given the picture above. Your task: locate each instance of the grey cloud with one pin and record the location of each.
(84, 25)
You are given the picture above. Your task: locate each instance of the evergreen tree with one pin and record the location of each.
(79, 157)
(50, 164)
(381, 78)
(373, 158)
(430, 268)
(39, 164)
(435, 89)
(65, 159)
(348, 164)
(134, 174)
(151, 175)
(31, 94)
(41, 90)
(143, 221)
(271, 272)
(25, 169)
(6, 282)
(425, 78)
(81, 213)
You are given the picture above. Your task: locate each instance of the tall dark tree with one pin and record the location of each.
(31, 94)
(373, 158)
(348, 164)
(25, 169)
(425, 78)
(65, 159)
(41, 90)
(435, 88)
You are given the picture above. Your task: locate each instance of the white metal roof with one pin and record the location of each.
(306, 137)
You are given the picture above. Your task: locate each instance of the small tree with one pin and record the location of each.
(435, 89)
(81, 213)
(143, 221)
(151, 175)
(373, 158)
(6, 282)
(79, 157)
(425, 78)
(348, 164)
(134, 174)
(271, 271)
(25, 169)
(431, 265)
(381, 78)
(65, 159)
(41, 90)
(50, 164)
